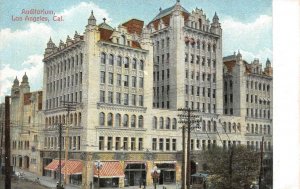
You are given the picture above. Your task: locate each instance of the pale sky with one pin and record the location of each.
(247, 26)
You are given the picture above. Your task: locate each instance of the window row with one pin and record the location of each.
(196, 59)
(258, 86)
(121, 143)
(191, 90)
(226, 85)
(163, 92)
(74, 119)
(58, 101)
(230, 98)
(255, 99)
(163, 73)
(118, 99)
(164, 144)
(258, 113)
(197, 44)
(197, 144)
(126, 82)
(258, 129)
(231, 127)
(204, 76)
(20, 145)
(228, 144)
(111, 59)
(257, 145)
(74, 142)
(61, 84)
(119, 120)
(164, 123)
(164, 58)
(161, 44)
(206, 107)
(156, 104)
(228, 111)
(65, 65)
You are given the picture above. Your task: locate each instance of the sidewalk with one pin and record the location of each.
(51, 183)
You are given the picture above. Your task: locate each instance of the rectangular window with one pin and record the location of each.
(110, 97)
(118, 98)
(161, 144)
(208, 92)
(109, 143)
(174, 144)
(167, 144)
(125, 143)
(101, 143)
(126, 81)
(186, 89)
(168, 73)
(214, 93)
(102, 77)
(133, 100)
(132, 145)
(133, 81)
(118, 143)
(111, 78)
(154, 144)
(140, 144)
(141, 82)
(141, 100)
(102, 96)
(125, 99)
(119, 80)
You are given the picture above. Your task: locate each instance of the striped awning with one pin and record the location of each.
(109, 169)
(54, 165)
(72, 167)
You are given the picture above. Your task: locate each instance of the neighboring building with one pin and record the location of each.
(26, 117)
(2, 139)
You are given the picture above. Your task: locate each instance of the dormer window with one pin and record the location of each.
(123, 40)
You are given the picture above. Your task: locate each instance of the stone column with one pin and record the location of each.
(149, 180)
(87, 171)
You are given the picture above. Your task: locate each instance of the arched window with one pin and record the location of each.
(141, 65)
(63, 119)
(119, 61)
(248, 128)
(133, 121)
(134, 63)
(70, 121)
(198, 44)
(75, 119)
(118, 120)
(215, 126)
(208, 47)
(154, 122)
(102, 119)
(174, 124)
(252, 128)
(209, 126)
(111, 59)
(203, 46)
(103, 58)
(214, 48)
(234, 127)
(161, 122)
(79, 118)
(203, 126)
(229, 127)
(110, 120)
(168, 123)
(141, 121)
(123, 40)
(200, 24)
(125, 120)
(126, 62)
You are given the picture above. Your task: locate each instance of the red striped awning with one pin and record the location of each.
(109, 169)
(72, 167)
(54, 165)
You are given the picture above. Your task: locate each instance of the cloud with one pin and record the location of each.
(253, 38)
(34, 73)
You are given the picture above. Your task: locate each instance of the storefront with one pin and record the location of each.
(73, 169)
(109, 174)
(167, 172)
(50, 166)
(135, 173)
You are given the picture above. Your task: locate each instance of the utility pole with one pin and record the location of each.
(70, 106)
(1, 144)
(261, 162)
(187, 118)
(7, 144)
(183, 184)
(230, 166)
(59, 154)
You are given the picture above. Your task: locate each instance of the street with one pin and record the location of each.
(21, 184)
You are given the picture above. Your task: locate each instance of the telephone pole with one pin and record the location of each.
(183, 184)
(261, 161)
(188, 119)
(7, 144)
(70, 106)
(59, 154)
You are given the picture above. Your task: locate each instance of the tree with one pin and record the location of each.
(234, 168)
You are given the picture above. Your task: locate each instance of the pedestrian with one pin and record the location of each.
(141, 182)
(144, 183)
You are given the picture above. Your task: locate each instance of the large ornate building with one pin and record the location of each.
(116, 91)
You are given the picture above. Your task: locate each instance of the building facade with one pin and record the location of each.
(116, 91)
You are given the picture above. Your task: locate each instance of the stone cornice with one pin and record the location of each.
(120, 107)
(187, 28)
(105, 43)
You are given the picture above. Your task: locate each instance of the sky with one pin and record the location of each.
(247, 26)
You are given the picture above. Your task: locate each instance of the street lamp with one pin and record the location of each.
(98, 165)
(155, 175)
